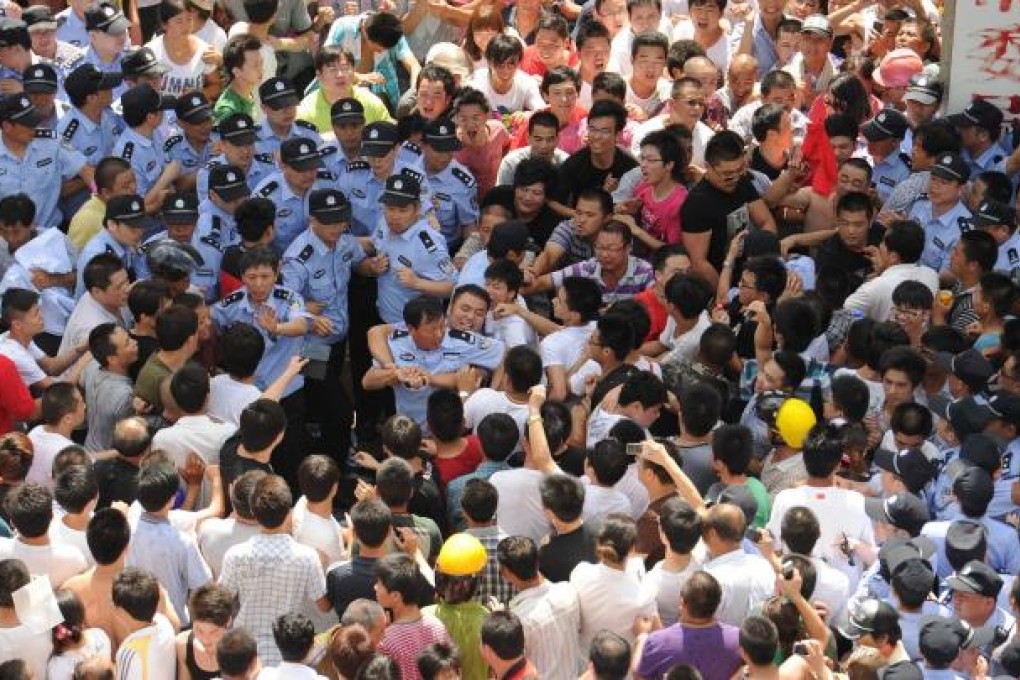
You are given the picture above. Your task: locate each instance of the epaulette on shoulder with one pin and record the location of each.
(268, 190)
(147, 246)
(324, 174)
(306, 125)
(172, 142)
(463, 336)
(236, 296)
(212, 163)
(282, 294)
(45, 133)
(399, 333)
(412, 173)
(306, 253)
(71, 130)
(464, 176)
(412, 147)
(358, 165)
(128, 151)
(264, 158)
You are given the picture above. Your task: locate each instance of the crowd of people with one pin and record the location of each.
(437, 339)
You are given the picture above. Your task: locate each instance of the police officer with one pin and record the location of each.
(363, 181)
(41, 85)
(454, 191)
(425, 352)
(237, 147)
(279, 104)
(318, 265)
(180, 215)
(191, 148)
(15, 50)
(217, 228)
(107, 28)
(999, 220)
(90, 126)
(141, 145)
(980, 125)
(141, 67)
(416, 253)
(34, 162)
(71, 24)
(123, 228)
(278, 313)
(42, 27)
(348, 119)
(300, 162)
(943, 214)
(885, 133)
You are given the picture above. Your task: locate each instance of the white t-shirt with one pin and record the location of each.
(610, 600)
(212, 34)
(228, 397)
(579, 378)
(685, 347)
(699, 137)
(217, 536)
(26, 359)
(523, 94)
(519, 511)
(149, 653)
(600, 422)
(487, 400)
(664, 586)
(97, 646)
(620, 60)
(63, 534)
(181, 78)
(719, 52)
(33, 648)
(511, 331)
(56, 561)
(600, 501)
(45, 446)
(564, 347)
(200, 434)
(317, 532)
(653, 103)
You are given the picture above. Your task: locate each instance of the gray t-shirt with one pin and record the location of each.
(696, 462)
(107, 399)
(291, 18)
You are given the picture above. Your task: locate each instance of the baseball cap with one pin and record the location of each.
(975, 485)
(970, 366)
(142, 100)
(39, 17)
(87, 79)
(967, 415)
(17, 108)
(180, 208)
(888, 124)
(952, 168)
(817, 23)
(238, 129)
(193, 107)
(903, 510)
(229, 182)
(329, 206)
(105, 17)
(982, 451)
(451, 57)
(910, 465)
(976, 577)
(142, 62)
(924, 89)
(1006, 406)
(979, 113)
(347, 110)
(14, 32)
(278, 93)
(897, 549)
(127, 209)
(39, 79)
(441, 135)
(965, 541)
(378, 139)
(870, 616)
(897, 68)
(914, 578)
(902, 670)
(941, 639)
(400, 190)
(300, 153)
(508, 236)
(992, 213)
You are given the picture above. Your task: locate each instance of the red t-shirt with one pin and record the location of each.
(533, 65)
(656, 310)
(16, 403)
(464, 462)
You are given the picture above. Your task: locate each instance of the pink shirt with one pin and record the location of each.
(661, 219)
(483, 162)
(404, 642)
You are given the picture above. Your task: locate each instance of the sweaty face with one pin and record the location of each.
(467, 313)
(853, 229)
(542, 141)
(610, 251)
(399, 218)
(260, 281)
(432, 99)
(851, 179)
(428, 335)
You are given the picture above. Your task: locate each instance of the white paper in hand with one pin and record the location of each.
(36, 605)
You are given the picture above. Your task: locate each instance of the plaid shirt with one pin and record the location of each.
(491, 584)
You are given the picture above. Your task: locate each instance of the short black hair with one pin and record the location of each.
(800, 530)
(855, 202)
(58, 400)
(401, 436)
(610, 656)
(702, 408)
(136, 591)
(234, 52)
(271, 501)
(768, 117)
(724, 146)
(383, 28)
(16, 302)
(479, 500)
(254, 217)
(189, 387)
(101, 343)
(851, 396)
(913, 295)
(108, 534)
(399, 574)
(795, 320)
(998, 291)
(294, 634)
(689, 293)
(498, 436)
(100, 270)
(906, 239)
(503, 633)
(523, 367)
(506, 272)
(174, 326)
(261, 423)
(563, 496)
(445, 415)
(759, 640)
(980, 247)
(606, 108)
(823, 449)
(17, 209)
(643, 387)
(394, 482)
(317, 476)
(648, 39)
(616, 335)
(147, 298)
(30, 509)
(583, 297)
(503, 48)
(437, 658)
(732, 446)
(75, 487)
(423, 309)
(14, 576)
(938, 136)
(263, 256)
(905, 359)
(609, 461)
(241, 350)
(158, 482)
(912, 419)
(236, 652)
(519, 556)
(681, 525)
(372, 522)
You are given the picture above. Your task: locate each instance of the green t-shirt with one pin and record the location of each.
(464, 624)
(761, 518)
(232, 102)
(316, 110)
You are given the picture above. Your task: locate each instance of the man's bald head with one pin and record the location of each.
(131, 437)
(704, 71)
(727, 522)
(742, 64)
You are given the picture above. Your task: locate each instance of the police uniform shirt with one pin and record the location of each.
(887, 173)
(215, 232)
(206, 273)
(238, 307)
(322, 275)
(291, 209)
(60, 110)
(93, 140)
(408, 156)
(363, 189)
(40, 173)
(940, 233)
(458, 348)
(991, 159)
(102, 242)
(261, 167)
(92, 57)
(269, 142)
(145, 155)
(179, 149)
(419, 248)
(1009, 255)
(455, 200)
(71, 29)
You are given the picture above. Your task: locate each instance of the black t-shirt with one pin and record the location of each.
(117, 481)
(233, 466)
(427, 501)
(571, 461)
(832, 253)
(578, 173)
(563, 552)
(540, 227)
(759, 163)
(724, 215)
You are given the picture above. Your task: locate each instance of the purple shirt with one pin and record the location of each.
(638, 277)
(713, 651)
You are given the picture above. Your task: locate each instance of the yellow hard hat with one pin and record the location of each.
(793, 422)
(462, 555)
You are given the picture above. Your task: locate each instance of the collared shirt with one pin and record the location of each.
(888, 173)
(746, 581)
(363, 189)
(103, 242)
(322, 274)
(458, 348)
(71, 28)
(820, 82)
(991, 158)
(179, 149)
(113, 66)
(291, 209)
(260, 168)
(490, 583)
(269, 142)
(1009, 255)
(232, 102)
(940, 232)
(419, 248)
(87, 315)
(145, 154)
(550, 614)
(455, 200)
(316, 110)
(108, 399)
(93, 140)
(271, 573)
(764, 47)
(288, 306)
(40, 173)
(638, 276)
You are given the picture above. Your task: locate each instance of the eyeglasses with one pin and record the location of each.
(728, 174)
(646, 159)
(600, 132)
(908, 313)
(609, 249)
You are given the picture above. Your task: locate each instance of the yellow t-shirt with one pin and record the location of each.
(316, 110)
(87, 222)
